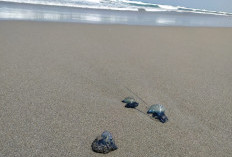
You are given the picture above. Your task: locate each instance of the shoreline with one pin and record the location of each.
(12, 11)
(117, 25)
(61, 85)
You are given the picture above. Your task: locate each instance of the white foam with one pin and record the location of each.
(168, 7)
(117, 5)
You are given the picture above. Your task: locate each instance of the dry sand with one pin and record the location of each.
(61, 85)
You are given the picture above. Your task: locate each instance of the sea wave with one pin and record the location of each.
(129, 5)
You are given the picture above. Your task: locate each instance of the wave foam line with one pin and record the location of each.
(122, 5)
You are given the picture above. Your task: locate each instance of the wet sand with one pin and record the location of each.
(61, 85)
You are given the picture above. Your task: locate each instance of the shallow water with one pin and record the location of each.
(16, 11)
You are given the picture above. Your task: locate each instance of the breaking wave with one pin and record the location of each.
(130, 5)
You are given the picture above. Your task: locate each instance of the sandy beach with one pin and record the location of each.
(61, 85)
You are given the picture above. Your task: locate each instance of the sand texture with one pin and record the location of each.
(61, 85)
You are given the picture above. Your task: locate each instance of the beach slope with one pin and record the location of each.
(61, 85)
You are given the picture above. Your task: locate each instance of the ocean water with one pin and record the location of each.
(135, 12)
